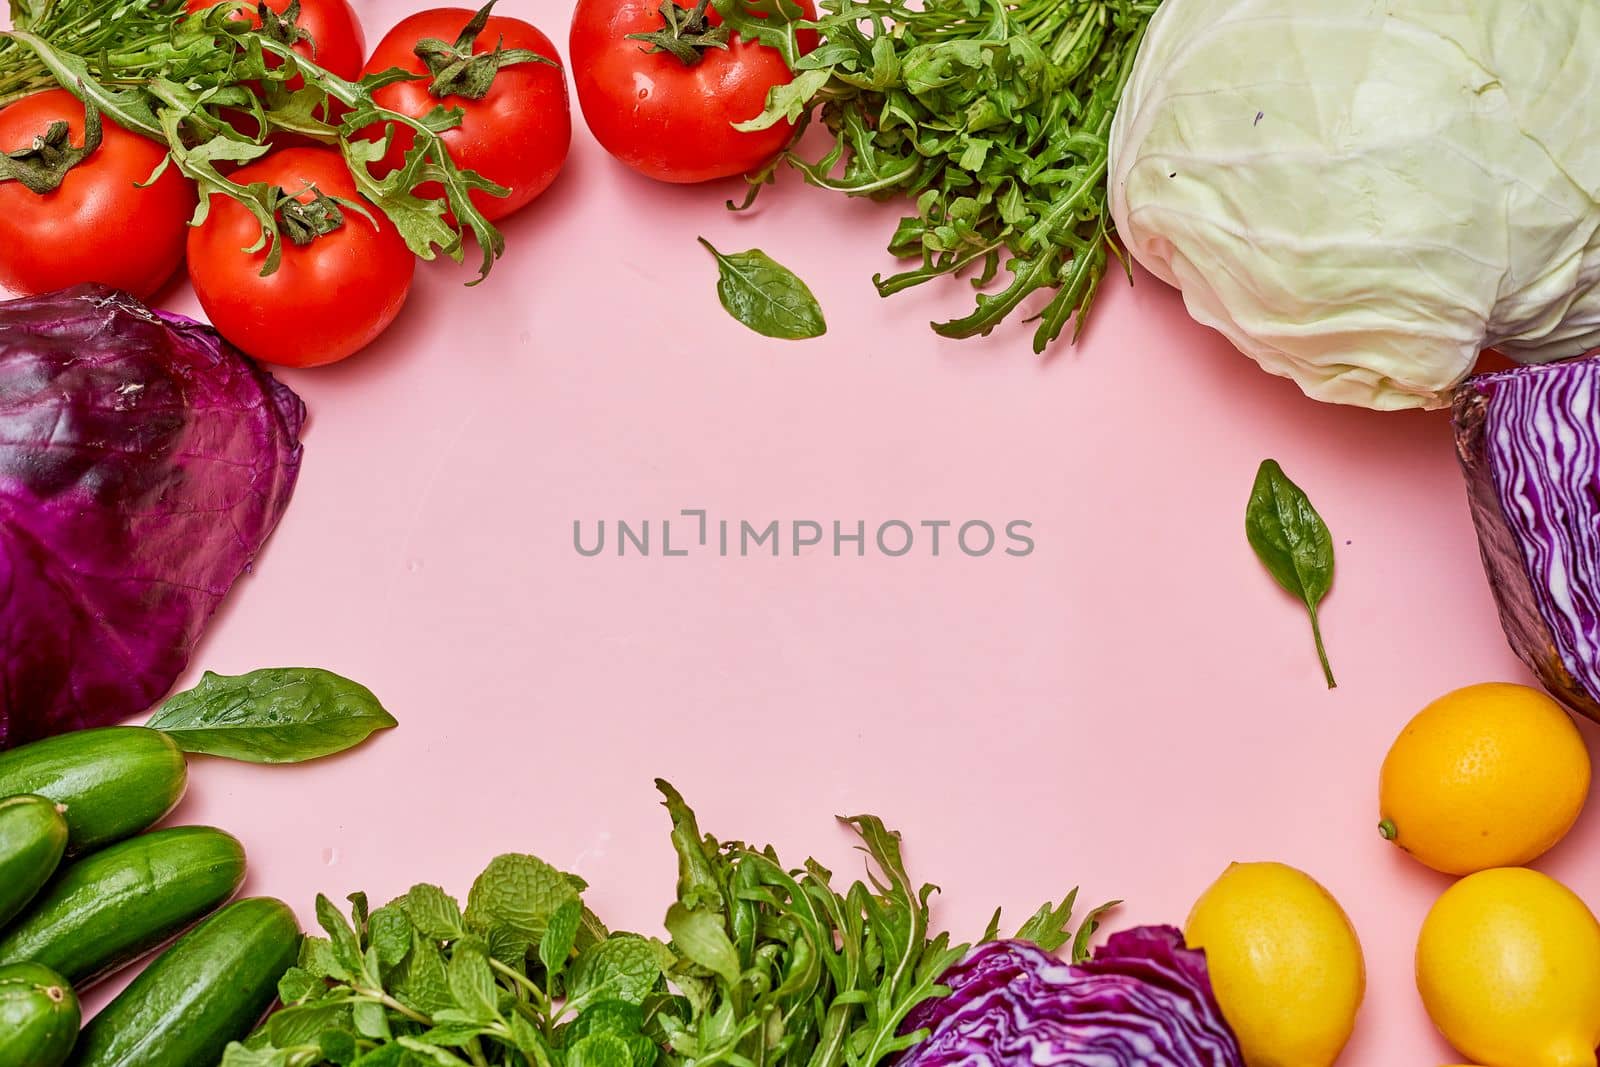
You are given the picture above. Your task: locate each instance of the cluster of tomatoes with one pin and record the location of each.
(660, 89)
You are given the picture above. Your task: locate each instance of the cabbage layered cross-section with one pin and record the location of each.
(1529, 444)
(1144, 1000)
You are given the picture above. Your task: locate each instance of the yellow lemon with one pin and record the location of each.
(1487, 776)
(1508, 965)
(1285, 963)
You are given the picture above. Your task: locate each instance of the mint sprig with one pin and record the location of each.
(766, 965)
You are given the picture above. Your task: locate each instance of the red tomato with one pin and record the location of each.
(97, 225)
(667, 119)
(337, 44)
(516, 134)
(329, 297)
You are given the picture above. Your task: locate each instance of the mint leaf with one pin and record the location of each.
(622, 967)
(618, 1018)
(700, 936)
(600, 1050)
(317, 959)
(298, 984)
(303, 1025)
(338, 1047)
(425, 1052)
(520, 892)
(370, 1020)
(508, 946)
(432, 911)
(237, 1055)
(560, 936)
(420, 983)
(389, 932)
(345, 948)
(276, 715)
(472, 982)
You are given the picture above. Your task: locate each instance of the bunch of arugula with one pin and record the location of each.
(993, 116)
(766, 966)
(215, 90)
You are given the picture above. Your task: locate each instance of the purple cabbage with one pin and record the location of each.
(1144, 1000)
(1529, 444)
(143, 462)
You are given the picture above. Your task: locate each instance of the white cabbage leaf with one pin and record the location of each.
(1364, 194)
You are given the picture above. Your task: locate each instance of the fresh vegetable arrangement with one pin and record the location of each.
(145, 460)
(88, 887)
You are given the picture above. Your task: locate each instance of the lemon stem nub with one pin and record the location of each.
(1388, 830)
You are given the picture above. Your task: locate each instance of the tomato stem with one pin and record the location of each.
(284, 28)
(42, 166)
(685, 34)
(457, 70)
(303, 221)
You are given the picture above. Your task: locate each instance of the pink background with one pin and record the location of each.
(1129, 708)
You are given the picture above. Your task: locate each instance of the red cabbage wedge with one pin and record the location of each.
(1529, 444)
(1144, 1000)
(143, 462)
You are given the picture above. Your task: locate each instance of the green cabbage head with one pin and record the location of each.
(1363, 194)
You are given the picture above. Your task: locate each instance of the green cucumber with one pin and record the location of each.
(114, 781)
(38, 1017)
(211, 987)
(113, 906)
(33, 838)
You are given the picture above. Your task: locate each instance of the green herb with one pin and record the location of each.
(215, 90)
(275, 715)
(766, 296)
(1292, 542)
(993, 118)
(767, 966)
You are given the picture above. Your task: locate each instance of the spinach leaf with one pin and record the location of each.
(766, 296)
(1292, 542)
(274, 715)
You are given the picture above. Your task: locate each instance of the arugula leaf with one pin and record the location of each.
(766, 296)
(274, 715)
(994, 120)
(1293, 543)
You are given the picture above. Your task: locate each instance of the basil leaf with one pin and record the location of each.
(1292, 542)
(766, 296)
(275, 715)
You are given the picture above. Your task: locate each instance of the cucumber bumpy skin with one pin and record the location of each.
(38, 1017)
(114, 782)
(33, 838)
(211, 987)
(113, 906)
